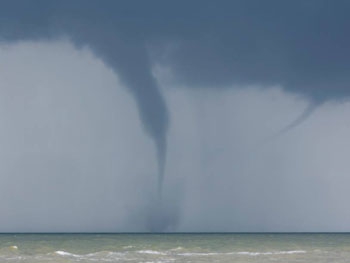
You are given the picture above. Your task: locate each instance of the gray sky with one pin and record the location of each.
(101, 101)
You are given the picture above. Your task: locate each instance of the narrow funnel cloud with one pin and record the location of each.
(299, 120)
(131, 62)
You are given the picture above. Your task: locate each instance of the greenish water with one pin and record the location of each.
(174, 248)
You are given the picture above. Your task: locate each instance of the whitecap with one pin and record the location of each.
(101, 255)
(269, 253)
(247, 253)
(152, 252)
(64, 253)
(176, 249)
(127, 247)
(199, 254)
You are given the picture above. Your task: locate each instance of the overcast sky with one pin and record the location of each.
(237, 112)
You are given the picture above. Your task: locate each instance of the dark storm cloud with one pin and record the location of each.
(301, 45)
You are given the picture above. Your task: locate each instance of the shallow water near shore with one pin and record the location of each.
(174, 247)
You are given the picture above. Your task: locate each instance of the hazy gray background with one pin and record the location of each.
(236, 111)
(74, 156)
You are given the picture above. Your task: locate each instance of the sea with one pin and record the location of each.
(184, 247)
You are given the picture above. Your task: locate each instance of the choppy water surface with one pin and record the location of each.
(175, 248)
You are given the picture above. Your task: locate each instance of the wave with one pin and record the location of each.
(247, 253)
(201, 254)
(101, 255)
(128, 247)
(108, 255)
(176, 249)
(64, 253)
(271, 253)
(152, 252)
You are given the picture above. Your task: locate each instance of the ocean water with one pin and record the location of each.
(174, 248)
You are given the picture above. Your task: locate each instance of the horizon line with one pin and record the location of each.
(172, 233)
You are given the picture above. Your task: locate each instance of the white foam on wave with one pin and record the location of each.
(66, 254)
(247, 253)
(107, 255)
(177, 249)
(271, 253)
(189, 254)
(152, 252)
(97, 256)
(127, 247)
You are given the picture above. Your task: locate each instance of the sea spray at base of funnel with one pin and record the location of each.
(161, 157)
(162, 216)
